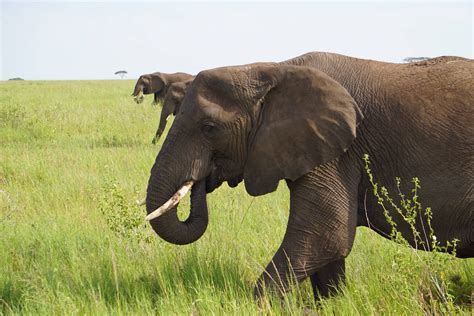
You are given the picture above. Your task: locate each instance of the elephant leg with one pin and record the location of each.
(321, 229)
(327, 279)
(157, 136)
(156, 99)
(165, 112)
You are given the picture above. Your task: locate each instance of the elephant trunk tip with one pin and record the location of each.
(165, 222)
(138, 97)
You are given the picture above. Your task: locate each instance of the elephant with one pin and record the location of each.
(158, 84)
(308, 121)
(171, 104)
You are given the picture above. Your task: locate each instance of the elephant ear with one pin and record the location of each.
(305, 119)
(179, 94)
(158, 82)
(174, 97)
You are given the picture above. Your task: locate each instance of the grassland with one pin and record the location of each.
(74, 154)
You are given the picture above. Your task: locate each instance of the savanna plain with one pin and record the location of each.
(75, 157)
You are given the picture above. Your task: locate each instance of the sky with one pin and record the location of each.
(68, 40)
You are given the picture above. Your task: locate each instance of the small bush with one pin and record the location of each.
(124, 218)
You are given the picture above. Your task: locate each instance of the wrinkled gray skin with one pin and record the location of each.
(171, 104)
(158, 84)
(265, 122)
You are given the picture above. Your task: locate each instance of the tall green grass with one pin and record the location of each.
(75, 153)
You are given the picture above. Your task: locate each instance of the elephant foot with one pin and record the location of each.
(263, 291)
(326, 281)
(265, 286)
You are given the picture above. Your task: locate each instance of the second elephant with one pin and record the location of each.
(171, 104)
(158, 84)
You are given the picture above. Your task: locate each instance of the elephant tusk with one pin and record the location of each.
(171, 202)
(141, 202)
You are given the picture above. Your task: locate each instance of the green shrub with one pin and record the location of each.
(124, 218)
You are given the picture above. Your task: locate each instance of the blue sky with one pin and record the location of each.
(91, 40)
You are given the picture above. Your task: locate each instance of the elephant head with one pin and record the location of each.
(259, 123)
(156, 83)
(171, 104)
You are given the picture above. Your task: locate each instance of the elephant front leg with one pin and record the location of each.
(286, 268)
(320, 233)
(157, 136)
(165, 112)
(156, 99)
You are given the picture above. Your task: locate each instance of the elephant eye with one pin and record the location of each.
(208, 128)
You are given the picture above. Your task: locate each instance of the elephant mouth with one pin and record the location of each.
(235, 182)
(213, 181)
(216, 178)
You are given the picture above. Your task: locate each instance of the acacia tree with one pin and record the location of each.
(121, 73)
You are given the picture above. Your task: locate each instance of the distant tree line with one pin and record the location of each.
(414, 59)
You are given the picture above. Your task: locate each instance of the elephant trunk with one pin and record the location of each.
(138, 93)
(168, 226)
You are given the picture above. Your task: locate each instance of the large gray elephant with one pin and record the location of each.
(158, 84)
(310, 120)
(171, 104)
